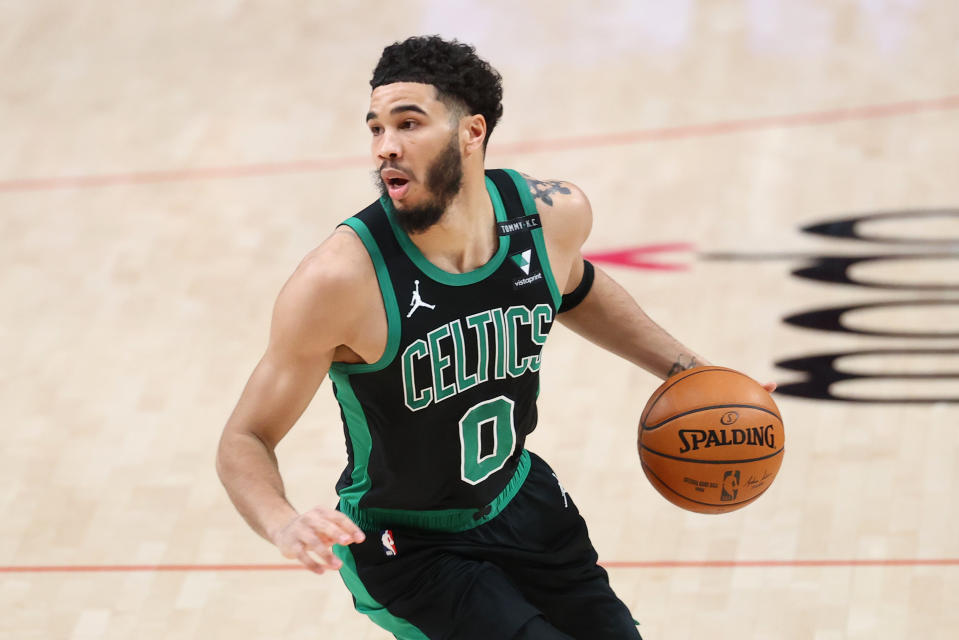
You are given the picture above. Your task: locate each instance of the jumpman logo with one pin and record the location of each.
(417, 301)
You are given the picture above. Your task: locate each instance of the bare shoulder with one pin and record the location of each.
(333, 268)
(565, 210)
(327, 292)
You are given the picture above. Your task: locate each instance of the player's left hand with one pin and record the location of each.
(310, 536)
(770, 387)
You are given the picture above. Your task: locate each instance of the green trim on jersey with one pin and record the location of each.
(445, 277)
(389, 302)
(447, 520)
(359, 431)
(365, 603)
(529, 206)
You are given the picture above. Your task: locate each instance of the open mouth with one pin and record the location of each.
(397, 187)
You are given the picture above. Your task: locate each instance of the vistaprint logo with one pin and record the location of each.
(522, 282)
(522, 260)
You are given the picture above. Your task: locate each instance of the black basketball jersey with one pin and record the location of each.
(435, 429)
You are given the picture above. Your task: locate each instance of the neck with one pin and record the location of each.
(465, 238)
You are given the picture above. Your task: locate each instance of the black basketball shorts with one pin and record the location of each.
(529, 573)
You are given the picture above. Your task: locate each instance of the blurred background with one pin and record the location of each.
(165, 165)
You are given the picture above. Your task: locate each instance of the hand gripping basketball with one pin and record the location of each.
(711, 439)
(310, 537)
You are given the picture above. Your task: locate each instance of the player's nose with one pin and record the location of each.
(388, 147)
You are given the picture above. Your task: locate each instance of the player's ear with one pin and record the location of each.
(473, 133)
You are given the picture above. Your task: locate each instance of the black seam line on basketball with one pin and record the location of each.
(695, 373)
(705, 504)
(666, 455)
(717, 406)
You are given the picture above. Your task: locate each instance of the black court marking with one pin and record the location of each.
(715, 406)
(848, 227)
(672, 457)
(705, 504)
(831, 319)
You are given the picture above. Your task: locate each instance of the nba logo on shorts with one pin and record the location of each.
(730, 485)
(389, 547)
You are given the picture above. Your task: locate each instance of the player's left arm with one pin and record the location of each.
(608, 315)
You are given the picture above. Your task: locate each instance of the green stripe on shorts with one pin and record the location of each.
(366, 605)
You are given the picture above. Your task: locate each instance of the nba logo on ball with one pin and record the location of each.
(389, 547)
(730, 486)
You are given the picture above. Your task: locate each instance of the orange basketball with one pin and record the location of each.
(711, 440)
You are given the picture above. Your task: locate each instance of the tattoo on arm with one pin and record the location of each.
(544, 189)
(680, 366)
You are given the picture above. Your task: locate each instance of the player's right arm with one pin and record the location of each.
(319, 309)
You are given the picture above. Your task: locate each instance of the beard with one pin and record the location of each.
(444, 177)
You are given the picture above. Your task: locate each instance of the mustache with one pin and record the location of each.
(389, 164)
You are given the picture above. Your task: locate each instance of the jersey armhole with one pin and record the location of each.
(389, 302)
(529, 206)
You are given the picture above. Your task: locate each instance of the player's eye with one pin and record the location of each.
(408, 124)
(376, 129)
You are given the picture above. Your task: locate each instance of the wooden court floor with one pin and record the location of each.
(165, 165)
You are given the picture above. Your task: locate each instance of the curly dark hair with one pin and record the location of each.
(462, 79)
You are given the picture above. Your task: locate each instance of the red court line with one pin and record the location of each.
(651, 564)
(721, 564)
(809, 118)
(830, 116)
(180, 175)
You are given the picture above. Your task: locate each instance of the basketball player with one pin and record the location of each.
(446, 527)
